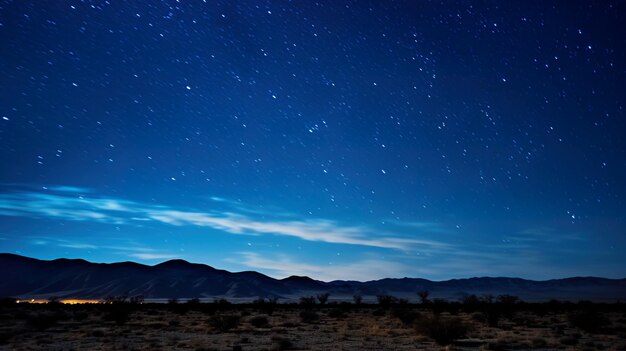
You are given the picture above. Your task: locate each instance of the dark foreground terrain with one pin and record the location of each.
(391, 324)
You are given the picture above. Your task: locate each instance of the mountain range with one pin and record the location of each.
(25, 277)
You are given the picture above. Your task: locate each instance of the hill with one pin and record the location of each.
(25, 277)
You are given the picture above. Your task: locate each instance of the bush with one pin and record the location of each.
(438, 305)
(479, 317)
(224, 323)
(266, 306)
(423, 295)
(283, 344)
(260, 322)
(80, 315)
(7, 301)
(406, 316)
(323, 298)
(379, 312)
(309, 316)
(539, 343)
(498, 345)
(221, 303)
(336, 313)
(385, 300)
(119, 313)
(568, 340)
(307, 301)
(54, 301)
(116, 299)
(507, 299)
(470, 300)
(193, 302)
(357, 298)
(137, 300)
(5, 337)
(588, 320)
(41, 321)
(492, 313)
(443, 330)
(45, 320)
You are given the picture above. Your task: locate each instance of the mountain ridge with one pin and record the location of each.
(26, 277)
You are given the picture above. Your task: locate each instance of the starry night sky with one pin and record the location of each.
(339, 140)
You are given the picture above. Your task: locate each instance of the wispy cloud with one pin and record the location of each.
(75, 207)
(433, 227)
(283, 266)
(310, 230)
(240, 207)
(49, 188)
(152, 256)
(68, 189)
(79, 246)
(555, 240)
(66, 206)
(133, 251)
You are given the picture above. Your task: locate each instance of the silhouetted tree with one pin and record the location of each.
(137, 300)
(54, 301)
(487, 298)
(423, 295)
(266, 306)
(307, 301)
(272, 300)
(116, 299)
(507, 299)
(470, 300)
(323, 298)
(357, 298)
(385, 300)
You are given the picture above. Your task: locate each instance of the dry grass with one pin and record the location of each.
(163, 327)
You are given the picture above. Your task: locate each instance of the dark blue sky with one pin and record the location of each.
(339, 140)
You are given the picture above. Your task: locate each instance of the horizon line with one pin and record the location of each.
(301, 276)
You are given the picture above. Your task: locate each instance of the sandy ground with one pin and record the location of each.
(153, 327)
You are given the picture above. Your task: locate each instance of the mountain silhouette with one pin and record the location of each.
(25, 277)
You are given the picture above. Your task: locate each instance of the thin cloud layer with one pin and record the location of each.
(284, 266)
(75, 207)
(129, 250)
(152, 256)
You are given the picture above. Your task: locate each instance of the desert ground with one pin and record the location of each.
(310, 326)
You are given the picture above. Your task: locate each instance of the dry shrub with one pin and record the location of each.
(336, 313)
(260, 322)
(568, 340)
(45, 320)
(588, 320)
(224, 323)
(308, 316)
(5, 337)
(282, 343)
(119, 313)
(406, 316)
(539, 343)
(444, 330)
